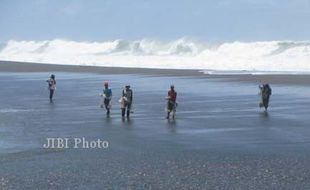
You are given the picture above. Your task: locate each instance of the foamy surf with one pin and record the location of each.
(233, 57)
(232, 72)
(10, 110)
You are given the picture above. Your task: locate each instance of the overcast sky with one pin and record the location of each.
(208, 20)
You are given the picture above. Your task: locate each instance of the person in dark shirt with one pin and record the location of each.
(265, 92)
(171, 102)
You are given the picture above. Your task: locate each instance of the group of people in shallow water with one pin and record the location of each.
(127, 98)
(125, 101)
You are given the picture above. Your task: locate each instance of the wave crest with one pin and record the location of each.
(181, 54)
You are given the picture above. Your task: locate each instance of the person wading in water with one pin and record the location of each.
(107, 96)
(265, 92)
(171, 102)
(51, 86)
(126, 101)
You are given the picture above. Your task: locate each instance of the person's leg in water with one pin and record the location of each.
(51, 95)
(128, 109)
(169, 109)
(173, 111)
(168, 114)
(266, 103)
(124, 111)
(106, 104)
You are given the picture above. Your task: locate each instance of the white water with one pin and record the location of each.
(268, 56)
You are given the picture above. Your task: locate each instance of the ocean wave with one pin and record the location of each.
(285, 56)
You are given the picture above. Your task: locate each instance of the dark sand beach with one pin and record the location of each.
(219, 140)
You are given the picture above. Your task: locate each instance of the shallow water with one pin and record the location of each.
(220, 139)
(211, 114)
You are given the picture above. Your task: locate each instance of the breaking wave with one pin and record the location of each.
(283, 56)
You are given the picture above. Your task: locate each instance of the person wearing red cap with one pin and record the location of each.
(107, 96)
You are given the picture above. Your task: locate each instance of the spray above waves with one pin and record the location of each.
(179, 54)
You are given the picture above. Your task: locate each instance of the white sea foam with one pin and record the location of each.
(254, 57)
(9, 110)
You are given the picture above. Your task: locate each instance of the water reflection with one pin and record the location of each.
(171, 125)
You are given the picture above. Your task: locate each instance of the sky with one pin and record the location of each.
(208, 20)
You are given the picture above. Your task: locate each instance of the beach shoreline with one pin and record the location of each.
(12, 66)
(282, 79)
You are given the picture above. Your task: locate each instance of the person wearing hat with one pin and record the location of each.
(171, 102)
(51, 86)
(107, 96)
(127, 97)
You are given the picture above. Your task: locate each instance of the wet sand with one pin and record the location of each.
(8, 66)
(285, 79)
(220, 139)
